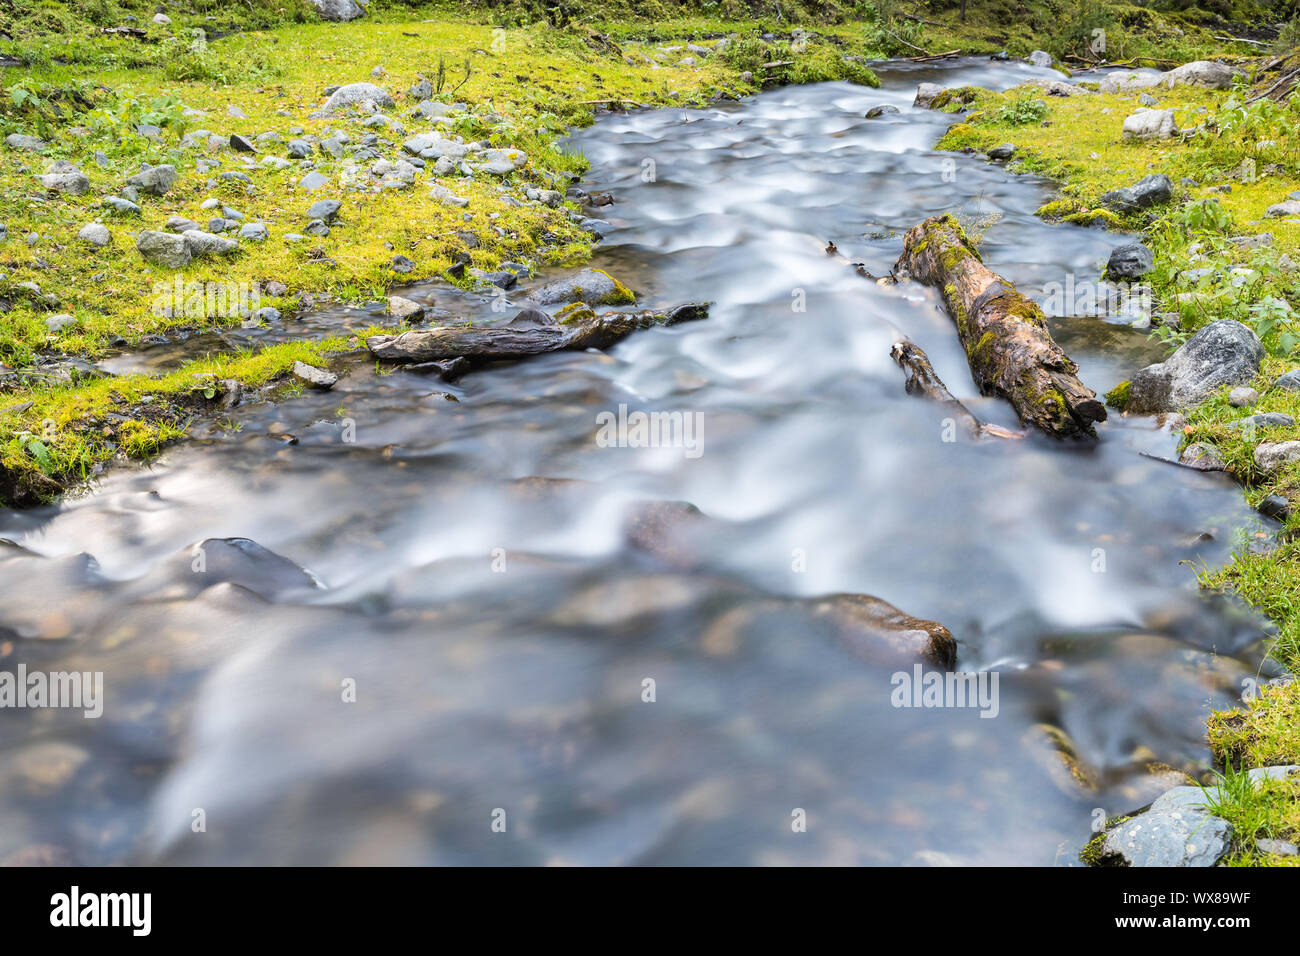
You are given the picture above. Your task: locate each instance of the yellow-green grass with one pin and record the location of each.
(56, 435)
(1265, 809)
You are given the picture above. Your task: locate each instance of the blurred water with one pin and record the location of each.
(521, 689)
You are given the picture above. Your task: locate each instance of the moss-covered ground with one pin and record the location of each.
(112, 102)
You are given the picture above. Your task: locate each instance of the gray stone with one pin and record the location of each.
(1174, 837)
(155, 180)
(1128, 82)
(1288, 207)
(325, 209)
(206, 244)
(590, 285)
(1222, 353)
(404, 309)
(315, 377)
(925, 94)
(266, 313)
(95, 234)
(1202, 457)
(1243, 397)
(1040, 58)
(298, 149)
(317, 227)
(355, 93)
(1203, 73)
(1130, 261)
(1146, 99)
(1262, 420)
(62, 176)
(880, 110)
(1149, 124)
(1147, 192)
(180, 224)
(338, 10)
(57, 323)
(254, 231)
(1003, 152)
(1288, 380)
(312, 181)
(31, 144)
(163, 248)
(1279, 847)
(1270, 456)
(402, 264)
(118, 204)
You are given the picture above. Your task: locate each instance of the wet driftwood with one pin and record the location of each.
(1004, 333)
(924, 381)
(581, 329)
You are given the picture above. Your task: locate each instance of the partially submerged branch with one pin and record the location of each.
(923, 380)
(580, 329)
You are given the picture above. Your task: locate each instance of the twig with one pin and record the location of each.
(932, 56)
(1240, 40)
(1282, 79)
(910, 46)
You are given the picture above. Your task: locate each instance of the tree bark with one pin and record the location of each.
(583, 330)
(1010, 351)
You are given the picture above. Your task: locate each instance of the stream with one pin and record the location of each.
(391, 642)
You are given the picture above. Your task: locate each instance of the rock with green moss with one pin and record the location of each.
(593, 286)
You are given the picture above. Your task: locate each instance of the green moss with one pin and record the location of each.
(1117, 397)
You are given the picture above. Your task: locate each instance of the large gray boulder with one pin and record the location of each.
(1203, 73)
(355, 93)
(1128, 82)
(164, 248)
(1146, 123)
(1222, 353)
(338, 10)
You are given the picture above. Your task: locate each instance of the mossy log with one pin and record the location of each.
(579, 328)
(924, 381)
(1010, 351)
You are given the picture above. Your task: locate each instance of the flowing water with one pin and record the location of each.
(499, 632)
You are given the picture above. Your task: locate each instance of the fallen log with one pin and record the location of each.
(1010, 351)
(924, 381)
(580, 329)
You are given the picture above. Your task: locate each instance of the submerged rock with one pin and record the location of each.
(925, 94)
(315, 377)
